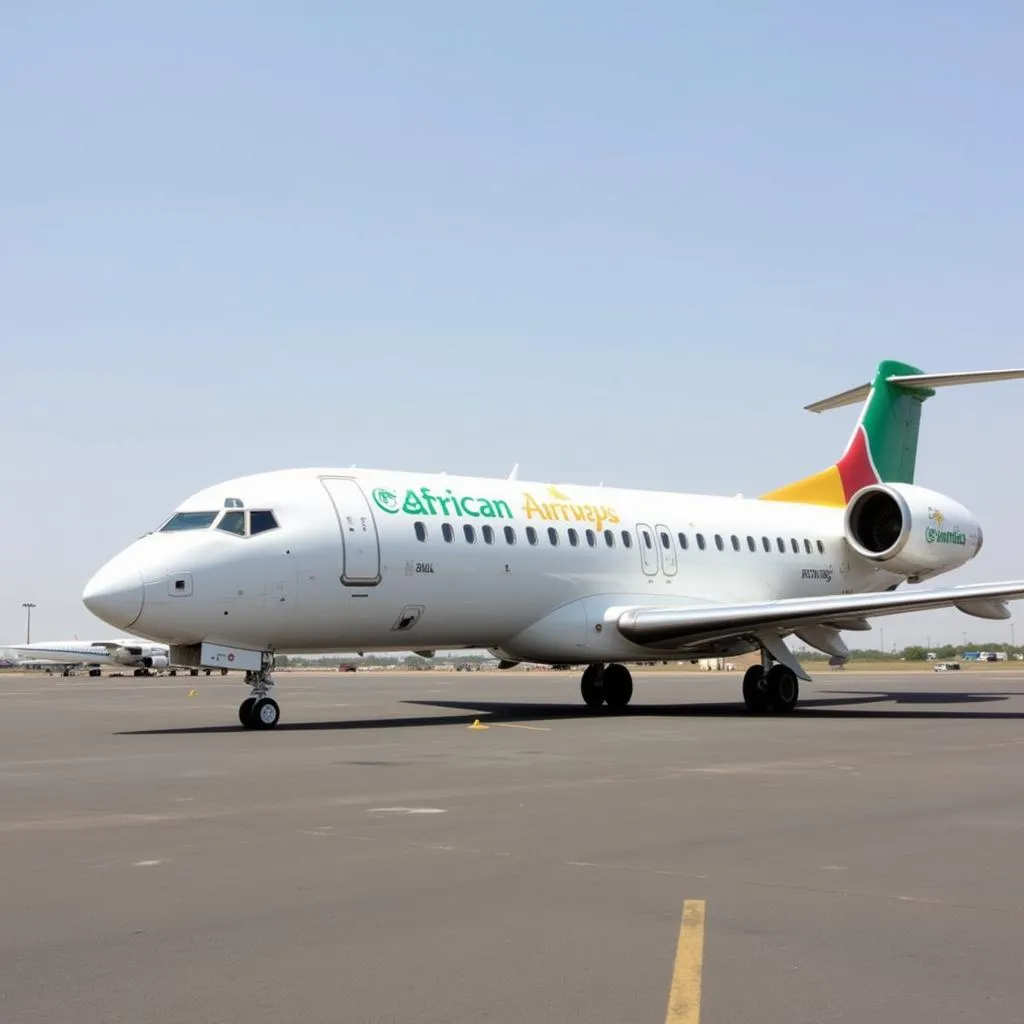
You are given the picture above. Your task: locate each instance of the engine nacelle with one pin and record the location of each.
(911, 530)
(155, 661)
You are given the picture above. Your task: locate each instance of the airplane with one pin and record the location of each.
(125, 650)
(346, 560)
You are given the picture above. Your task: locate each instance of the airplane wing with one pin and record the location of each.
(698, 624)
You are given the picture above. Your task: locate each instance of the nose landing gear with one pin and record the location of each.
(259, 711)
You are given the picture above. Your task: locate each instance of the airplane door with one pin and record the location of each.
(359, 539)
(648, 552)
(666, 549)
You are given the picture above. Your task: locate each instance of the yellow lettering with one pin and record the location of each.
(533, 508)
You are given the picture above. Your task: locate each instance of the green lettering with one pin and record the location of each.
(504, 512)
(413, 506)
(454, 501)
(429, 499)
(467, 509)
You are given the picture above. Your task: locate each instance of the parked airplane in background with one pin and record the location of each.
(309, 560)
(127, 650)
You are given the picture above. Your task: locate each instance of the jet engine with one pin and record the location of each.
(155, 661)
(910, 530)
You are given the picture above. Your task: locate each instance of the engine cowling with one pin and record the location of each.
(911, 530)
(155, 661)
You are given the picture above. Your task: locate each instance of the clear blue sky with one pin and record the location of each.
(610, 242)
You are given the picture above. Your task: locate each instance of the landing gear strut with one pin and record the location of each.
(770, 687)
(259, 711)
(606, 684)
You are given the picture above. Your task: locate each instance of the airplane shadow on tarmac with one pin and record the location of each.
(848, 705)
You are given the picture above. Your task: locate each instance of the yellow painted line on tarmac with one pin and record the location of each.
(510, 725)
(684, 995)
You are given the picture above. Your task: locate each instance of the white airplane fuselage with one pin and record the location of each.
(345, 568)
(120, 651)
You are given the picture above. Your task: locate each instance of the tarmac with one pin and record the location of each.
(377, 858)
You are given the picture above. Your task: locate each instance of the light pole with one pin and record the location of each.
(28, 606)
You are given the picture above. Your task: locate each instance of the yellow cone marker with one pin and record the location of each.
(476, 725)
(193, 693)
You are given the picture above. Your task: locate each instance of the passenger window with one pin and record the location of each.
(574, 537)
(751, 543)
(591, 538)
(735, 542)
(488, 532)
(666, 541)
(627, 539)
(700, 541)
(647, 539)
(719, 542)
(781, 544)
(261, 520)
(553, 536)
(188, 521)
(609, 538)
(421, 531)
(683, 542)
(821, 548)
(766, 544)
(447, 532)
(510, 535)
(233, 522)
(470, 533)
(796, 546)
(531, 535)
(807, 546)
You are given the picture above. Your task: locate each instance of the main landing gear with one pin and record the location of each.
(770, 687)
(259, 711)
(606, 684)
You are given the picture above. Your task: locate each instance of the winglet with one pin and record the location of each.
(514, 475)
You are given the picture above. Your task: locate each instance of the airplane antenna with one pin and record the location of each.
(514, 475)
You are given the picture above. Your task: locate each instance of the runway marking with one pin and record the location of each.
(684, 995)
(406, 810)
(510, 725)
(146, 863)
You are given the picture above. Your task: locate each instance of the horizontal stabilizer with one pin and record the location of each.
(916, 381)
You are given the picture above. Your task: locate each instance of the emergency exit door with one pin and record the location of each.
(359, 540)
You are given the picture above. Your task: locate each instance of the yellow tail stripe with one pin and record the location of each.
(825, 488)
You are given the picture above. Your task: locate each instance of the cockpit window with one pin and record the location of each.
(233, 522)
(261, 520)
(189, 521)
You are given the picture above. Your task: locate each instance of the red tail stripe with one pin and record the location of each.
(855, 466)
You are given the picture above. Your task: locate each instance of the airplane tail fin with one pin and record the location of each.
(883, 446)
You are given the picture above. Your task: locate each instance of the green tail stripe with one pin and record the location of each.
(891, 421)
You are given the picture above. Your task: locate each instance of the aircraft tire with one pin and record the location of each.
(245, 712)
(783, 689)
(618, 686)
(755, 690)
(265, 713)
(591, 686)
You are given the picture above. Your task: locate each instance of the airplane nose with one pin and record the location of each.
(115, 594)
